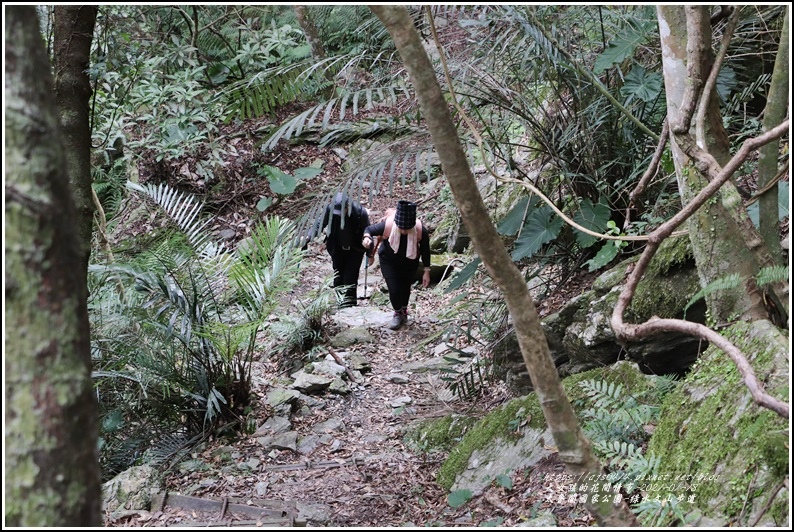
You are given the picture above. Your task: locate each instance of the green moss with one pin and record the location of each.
(439, 434)
(672, 252)
(711, 428)
(662, 296)
(496, 424)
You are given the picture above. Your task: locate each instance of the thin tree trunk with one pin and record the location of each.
(310, 31)
(52, 475)
(574, 448)
(774, 113)
(74, 31)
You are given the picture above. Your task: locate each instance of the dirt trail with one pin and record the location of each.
(361, 473)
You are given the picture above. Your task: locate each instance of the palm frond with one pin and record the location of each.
(266, 266)
(263, 92)
(348, 101)
(185, 210)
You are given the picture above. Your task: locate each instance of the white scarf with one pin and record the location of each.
(394, 239)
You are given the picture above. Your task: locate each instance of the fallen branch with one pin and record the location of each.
(337, 359)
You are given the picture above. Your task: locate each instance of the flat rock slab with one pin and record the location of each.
(362, 316)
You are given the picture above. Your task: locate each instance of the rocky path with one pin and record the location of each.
(328, 451)
(339, 455)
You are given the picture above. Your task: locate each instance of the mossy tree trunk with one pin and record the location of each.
(774, 113)
(723, 238)
(574, 448)
(73, 33)
(52, 475)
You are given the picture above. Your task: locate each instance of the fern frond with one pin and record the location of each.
(772, 274)
(727, 282)
(664, 384)
(605, 395)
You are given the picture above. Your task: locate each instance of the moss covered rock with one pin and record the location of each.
(732, 453)
(580, 335)
(515, 435)
(441, 434)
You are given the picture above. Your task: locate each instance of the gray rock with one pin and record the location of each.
(331, 425)
(312, 514)
(339, 386)
(328, 367)
(309, 383)
(397, 378)
(361, 317)
(311, 401)
(503, 454)
(287, 441)
(132, 489)
(543, 520)
(354, 361)
(227, 234)
(280, 396)
(432, 364)
(356, 334)
(261, 488)
(400, 401)
(274, 424)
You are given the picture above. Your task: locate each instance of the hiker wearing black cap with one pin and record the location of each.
(403, 244)
(343, 242)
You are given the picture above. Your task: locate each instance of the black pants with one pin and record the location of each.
(399, 274)
(346, 267)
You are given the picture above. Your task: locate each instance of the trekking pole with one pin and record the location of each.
(366, 267)
(367, 252)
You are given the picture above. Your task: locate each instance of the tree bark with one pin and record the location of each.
(52, 475)
(73, 33)
(774, 113)
(310, 31)
(722, 241)
(574, 448)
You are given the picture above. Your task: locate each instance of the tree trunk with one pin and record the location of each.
(723, 238)
(73, 33)
(310, 31)
(774, 114)
(52, 475)
(574, 448)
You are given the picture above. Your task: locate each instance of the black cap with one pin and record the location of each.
(405, 217)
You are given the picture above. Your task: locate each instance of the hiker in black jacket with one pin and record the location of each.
(343, 242)
(404, 242)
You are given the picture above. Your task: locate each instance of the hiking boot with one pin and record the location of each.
(396, 320)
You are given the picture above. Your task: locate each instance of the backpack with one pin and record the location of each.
(349, 236)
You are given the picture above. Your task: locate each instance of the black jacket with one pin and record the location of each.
(339, 238)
